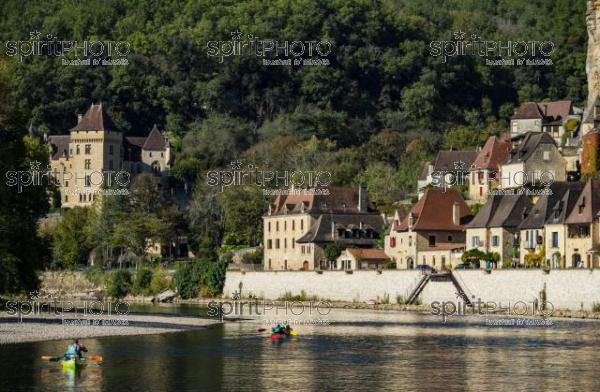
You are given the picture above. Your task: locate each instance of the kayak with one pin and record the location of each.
(279, 336)
(73, 363)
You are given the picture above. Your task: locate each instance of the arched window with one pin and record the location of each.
(156, 167)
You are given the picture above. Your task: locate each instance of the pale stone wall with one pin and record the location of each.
(518, 127)
(565, 289)
(280, 248)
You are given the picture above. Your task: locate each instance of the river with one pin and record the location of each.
(364, 350)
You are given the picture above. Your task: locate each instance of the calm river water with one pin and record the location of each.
(359, 350)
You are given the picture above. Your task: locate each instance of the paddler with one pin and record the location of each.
(75, 349)
(277, 329)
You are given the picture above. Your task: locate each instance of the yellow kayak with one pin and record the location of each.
(72, 363)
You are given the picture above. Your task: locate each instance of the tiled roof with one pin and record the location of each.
(502, 211)
(434, 211)
(59, 145)
(451, 160)
(367, 253)
(528, 110)
(95, 119)
(543, 208)
(155, 140)
(531, 141)
(493, 153)
(587, 206)
(549, 111)
(339, 200)
(133, 148)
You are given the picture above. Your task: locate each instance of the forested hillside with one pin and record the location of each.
(382, 106)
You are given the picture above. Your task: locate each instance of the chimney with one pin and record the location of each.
(545, 110)
(456, 213)
(79, 118)
(362, 198)
(411, 220)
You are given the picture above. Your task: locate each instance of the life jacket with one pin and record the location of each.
(71, 350)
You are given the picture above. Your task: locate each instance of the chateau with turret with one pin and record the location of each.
(95, 155)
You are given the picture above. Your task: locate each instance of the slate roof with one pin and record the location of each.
(501, 211)
(326, 229)
(493, 153)
(543, 208)
(454, 160)
(524, 150)
(434, 211)
(587, 206)
(59, 145)
(95, 119)
(563, 207)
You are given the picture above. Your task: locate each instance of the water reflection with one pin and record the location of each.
(360, 350)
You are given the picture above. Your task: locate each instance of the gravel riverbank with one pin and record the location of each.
(49, 327)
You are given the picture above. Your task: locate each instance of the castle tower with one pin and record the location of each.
(95, 151)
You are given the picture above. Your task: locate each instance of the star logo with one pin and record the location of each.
(34, 294)
(236, 295)
(34, 34)
(236, 165)
(459, 35)
(236, 35)
(460, 165)
(34, 165)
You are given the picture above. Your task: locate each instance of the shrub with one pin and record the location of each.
(160, 281)
(95, 275)
(400, 300)
(288, 296)
(386, 299)
(191, 276)
(119, 284)
(596, 307)
(141, 283)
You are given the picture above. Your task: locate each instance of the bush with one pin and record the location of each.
(160, 281)
(141, 283)
(119, 284)
(95, 275)
(596, 307)
(400, 300)
(191, 276)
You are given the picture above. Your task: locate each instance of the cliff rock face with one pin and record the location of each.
(592, 67)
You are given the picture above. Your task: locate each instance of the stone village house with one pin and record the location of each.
(432, 233)
(298, 226)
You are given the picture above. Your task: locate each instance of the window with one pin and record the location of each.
(449, 238)
(495, 240)
(277, 226)
(111, 149)
(409, 240)
(88, 164)
(88, 149)
(393, 242)
(302, 249)
(284, 225)
(269, 227)
(546, 155)
(293, 225)
(285, 264)
(277, 243)
(66, 198)
(555, 239)
(293, 243)
(78, 149)
(269, 244)
(155, 167)
(431, 240)
(66, 184)
(88, 181)
(285, 243)
(301, 224)
(150, 154)
(475, 241)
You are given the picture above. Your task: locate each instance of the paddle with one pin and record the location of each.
(97, 358)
